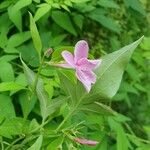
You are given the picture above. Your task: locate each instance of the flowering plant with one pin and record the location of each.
(84, 83)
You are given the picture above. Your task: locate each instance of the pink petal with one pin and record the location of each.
(81, 77)
(86, 77)
(90, 76)
(96, 62)
(86, 64)
(68, 57)
(86, 142)
(81, 50)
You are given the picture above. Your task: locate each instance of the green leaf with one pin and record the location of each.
(122, 141)
(10, 86)
(13, 126)
(56, 41)
(97, 108)
(54, 145)
(15, 12)
(6, 107)
(105, 21)
(68, 83)
(22, 3)
(136, 5)
(45, 8)
(47, 107)
(35, 36)
(108, 3)
(17, 39)
(7, 58)
(15, 17)
(38, 143)
(110, 72)
(27, 102)
(78, 20)
(64, 21)
(7, 72)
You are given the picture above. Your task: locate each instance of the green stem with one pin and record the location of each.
(141, 140)
(38, 73)
(63, 122)
(16, 147)
(14, 142)
(69, 115)
(2, 144)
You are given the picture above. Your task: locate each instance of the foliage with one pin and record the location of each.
(44, 107)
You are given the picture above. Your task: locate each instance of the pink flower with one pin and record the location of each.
(86, 142)
(81, 64)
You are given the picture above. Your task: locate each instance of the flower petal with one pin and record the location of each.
(86, 64)
(82, 78)
(81, 50)
(86, 77)
(96, 62)
(68, 58)
(90, 76)
(86, 142)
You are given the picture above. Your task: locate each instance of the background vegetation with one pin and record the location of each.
(107, 25)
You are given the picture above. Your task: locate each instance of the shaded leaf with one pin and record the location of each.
(136, 5)
(105, 21)
(27, 102)
(38, 143)
(63, 20)
(108, 3)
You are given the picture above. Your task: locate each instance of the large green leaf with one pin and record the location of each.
(35, 36)
(109, 74)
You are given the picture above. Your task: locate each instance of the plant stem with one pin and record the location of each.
(2, 144)
(62, 123)
(38, 73)
(14, 142)
(69, 114)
